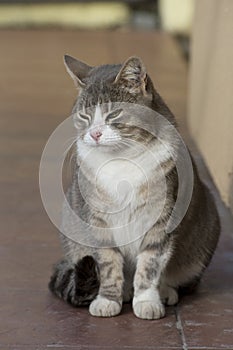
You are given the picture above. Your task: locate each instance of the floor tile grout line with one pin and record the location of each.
(180, 329)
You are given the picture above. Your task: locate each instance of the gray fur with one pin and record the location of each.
(152, 271)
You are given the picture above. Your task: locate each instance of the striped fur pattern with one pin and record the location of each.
(77, 284)
(151, 269)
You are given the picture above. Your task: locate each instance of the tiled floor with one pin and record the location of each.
(36, 95)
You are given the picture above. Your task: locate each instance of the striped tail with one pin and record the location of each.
(77, 284)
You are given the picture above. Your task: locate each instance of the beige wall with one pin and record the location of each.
(210, 116)
(177, 15)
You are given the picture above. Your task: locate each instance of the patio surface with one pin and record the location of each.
(36, 95)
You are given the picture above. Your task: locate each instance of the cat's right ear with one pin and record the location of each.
(78, 70)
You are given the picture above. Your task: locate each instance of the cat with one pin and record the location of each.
(152, 268)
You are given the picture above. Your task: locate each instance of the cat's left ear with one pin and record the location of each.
(78, 70)
(132, 76)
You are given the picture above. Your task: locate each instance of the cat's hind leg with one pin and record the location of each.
(77, 284)
(168, 294)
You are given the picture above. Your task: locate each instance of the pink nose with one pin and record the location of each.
(95, 134)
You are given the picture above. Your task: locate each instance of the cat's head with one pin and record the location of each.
(104, 92)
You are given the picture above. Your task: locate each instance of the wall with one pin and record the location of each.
(210, 116)
(176, 15)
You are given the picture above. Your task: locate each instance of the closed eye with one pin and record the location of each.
(113, 115)
(85, 117)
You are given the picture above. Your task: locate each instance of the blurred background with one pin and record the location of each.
(35, 34)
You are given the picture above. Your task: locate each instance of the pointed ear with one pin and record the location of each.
(78, 70)
(132, 76)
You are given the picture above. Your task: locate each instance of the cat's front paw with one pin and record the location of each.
(104, 307)
(147, 305)
(149, 310)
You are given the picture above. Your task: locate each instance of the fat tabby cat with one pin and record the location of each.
(151, 269)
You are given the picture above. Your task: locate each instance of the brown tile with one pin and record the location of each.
(207, 321)
(207, 315)
(35, 317)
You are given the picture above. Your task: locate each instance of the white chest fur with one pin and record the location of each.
(122, 183)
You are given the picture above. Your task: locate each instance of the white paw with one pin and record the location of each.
(149, 310)
(169, 295)
(104, 307)
(147, 305)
